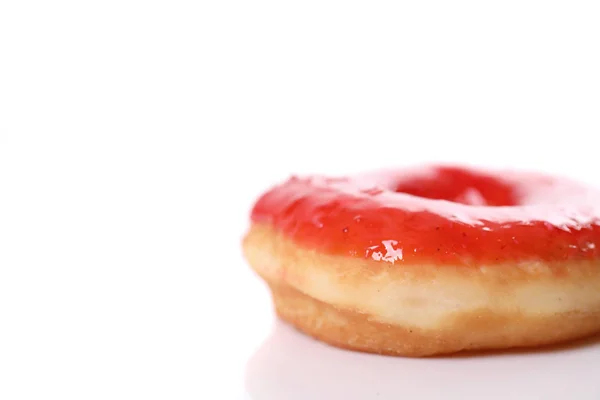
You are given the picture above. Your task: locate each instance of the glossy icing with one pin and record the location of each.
(440, 214)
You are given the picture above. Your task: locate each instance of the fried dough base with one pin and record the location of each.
(425, 310)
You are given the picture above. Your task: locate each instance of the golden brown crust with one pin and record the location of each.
(422, 310)
(478, 331)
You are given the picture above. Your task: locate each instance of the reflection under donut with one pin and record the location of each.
(290, 366)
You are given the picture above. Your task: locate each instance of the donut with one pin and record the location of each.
(431, 260)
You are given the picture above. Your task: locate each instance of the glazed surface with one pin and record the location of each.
(444, 215)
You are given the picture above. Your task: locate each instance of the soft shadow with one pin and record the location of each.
(290, 366)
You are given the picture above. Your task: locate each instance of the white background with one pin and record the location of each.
(135, 135)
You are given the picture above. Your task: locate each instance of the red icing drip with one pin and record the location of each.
(444, 215)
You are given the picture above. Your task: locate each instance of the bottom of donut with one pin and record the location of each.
(425, 309)
(476, 331)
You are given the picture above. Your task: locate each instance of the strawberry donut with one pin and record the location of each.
(431, 260)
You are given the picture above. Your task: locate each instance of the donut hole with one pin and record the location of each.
(461, 186)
